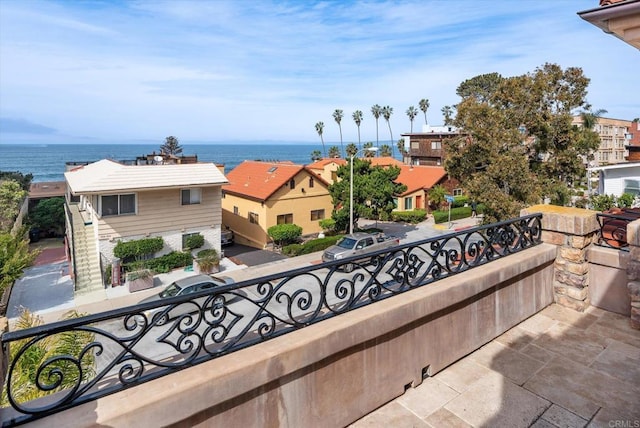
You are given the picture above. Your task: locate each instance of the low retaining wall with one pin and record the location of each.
(333, 373)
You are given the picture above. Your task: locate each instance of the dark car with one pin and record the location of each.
(182, 287)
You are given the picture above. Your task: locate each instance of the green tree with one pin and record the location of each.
(283, 234)
(15, 257)
(23, 179)
(368, 153)
(337, 116)
(424, 106)
(319, 130)
(42, 354)
(334, 152)
(351, 149)
(373, 192)
(376, 111)
(49, 215)
(171, 146)
(316, 155)
(385, 150)
(387, 112)
(437, 196)
(447, 114)
(357, 118)
(412, 113)
(400, 145)
(519, 144)
(11, 196)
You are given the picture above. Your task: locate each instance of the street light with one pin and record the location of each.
(368, 149)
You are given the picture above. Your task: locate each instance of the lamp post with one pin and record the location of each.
(368, 149)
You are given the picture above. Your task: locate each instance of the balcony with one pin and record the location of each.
(316, 346)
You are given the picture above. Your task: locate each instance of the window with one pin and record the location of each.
(285, 219)
(415, 145)
(118, 204)
(395, 203)
(292, 184)
(236, 211)
(408, 203)
(191, 196)
(334, 176)
(317, 215)
(632, 186)
(253, 218)
(457, 192)
(436, 145)
(311, 182)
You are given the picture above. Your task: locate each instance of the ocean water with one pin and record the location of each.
(47, 162)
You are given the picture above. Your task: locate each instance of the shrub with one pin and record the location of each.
(173, 260)
(415, 216)
(284, 233)
(327, 224)
(194, 241)
(456, 214)
(625, 200)
(138, 248)
(310, 246)
(602, 202)
(208, 259)
(460, 201)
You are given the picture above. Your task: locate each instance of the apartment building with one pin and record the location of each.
(614, 137)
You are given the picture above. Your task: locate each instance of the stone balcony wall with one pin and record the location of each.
(633, 271)
(334, 372)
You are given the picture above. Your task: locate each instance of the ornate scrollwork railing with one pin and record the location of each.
(613, 227)
(128, 346)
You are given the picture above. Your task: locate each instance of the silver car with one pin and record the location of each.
(182, 287)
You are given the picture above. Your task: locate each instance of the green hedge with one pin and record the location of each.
(456, 214)
(166, 263)
(138, 248)
(194, 241)
(415, 216)
(310, 246)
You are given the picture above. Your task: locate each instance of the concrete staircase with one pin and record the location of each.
(87, 263)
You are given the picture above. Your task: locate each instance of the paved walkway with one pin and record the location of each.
(559, 368)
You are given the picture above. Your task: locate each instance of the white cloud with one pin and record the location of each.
(222, 70)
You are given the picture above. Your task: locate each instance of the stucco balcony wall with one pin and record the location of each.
(332, 373)
(608, 279)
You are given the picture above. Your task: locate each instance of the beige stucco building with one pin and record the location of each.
(109, 201)
(614, 138)
(262, 194)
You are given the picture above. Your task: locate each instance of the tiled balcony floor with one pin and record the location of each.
(559, 368)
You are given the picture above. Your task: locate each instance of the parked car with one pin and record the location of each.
(358, 244)
(182, 287)
(226, 237)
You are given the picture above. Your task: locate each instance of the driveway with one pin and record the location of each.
(245, 255)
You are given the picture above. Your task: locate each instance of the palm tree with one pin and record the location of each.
(376, 110)
(316, 155)
(352, 149)
(385, 150)
(590, 118)
(337, 116)
(334, 152)
(412, 113)
(424, 106)
(400, 146)
(387, 112)
(368, 153)
(171, 146)
(319, 129)
(357, 118)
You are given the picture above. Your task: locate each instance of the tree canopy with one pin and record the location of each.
(518, 144)
(374, 188)
(171, 146)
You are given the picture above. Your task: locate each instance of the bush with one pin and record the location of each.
(625, 200)
(166, 263)
(602, 202)
(460, 201)
(138, 248)
(194, 241)
(456, 214)
(283, 234)
(413, 217)
(327, 224)
(310, 246)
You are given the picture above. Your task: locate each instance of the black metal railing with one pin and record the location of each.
(129, 346)
(613, 227)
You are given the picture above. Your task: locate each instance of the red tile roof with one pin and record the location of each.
(420, 177)
(381, 161)
(321, 163)
(260, 180)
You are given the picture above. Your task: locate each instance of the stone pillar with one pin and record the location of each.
(633, 271)
(572, 230)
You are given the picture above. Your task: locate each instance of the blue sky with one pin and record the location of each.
(246, 70)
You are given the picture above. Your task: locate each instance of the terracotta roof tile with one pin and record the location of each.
(420, 177)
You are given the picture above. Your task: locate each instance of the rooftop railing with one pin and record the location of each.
(122, 348)
(613, 227)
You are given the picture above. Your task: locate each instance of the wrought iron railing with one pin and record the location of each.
(613, 228)
(129, 346)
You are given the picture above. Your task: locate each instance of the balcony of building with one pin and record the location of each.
(524, 323)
